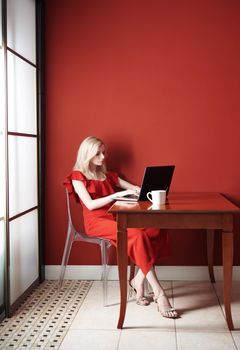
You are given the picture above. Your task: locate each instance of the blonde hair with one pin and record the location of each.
(86, 152)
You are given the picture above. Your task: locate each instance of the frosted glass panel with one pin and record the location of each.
(23, 253)
(2, 137)
(21, 27)
(22, 174)
(2, 177)
(2, 91)
(21, 96)
(2, 244)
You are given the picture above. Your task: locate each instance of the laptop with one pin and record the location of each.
(154, 178)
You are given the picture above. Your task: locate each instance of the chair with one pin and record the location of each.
(74, 235)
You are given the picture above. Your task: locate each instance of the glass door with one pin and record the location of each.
(20, 218)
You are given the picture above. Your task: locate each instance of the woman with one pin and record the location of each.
(96, 188)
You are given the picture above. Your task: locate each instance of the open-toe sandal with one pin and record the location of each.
(168, 312)
(142, 301)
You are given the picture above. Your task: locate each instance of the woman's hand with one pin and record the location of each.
(137, 189)
(127, 186)
(124, 193)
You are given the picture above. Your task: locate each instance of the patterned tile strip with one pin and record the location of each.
(42, 321)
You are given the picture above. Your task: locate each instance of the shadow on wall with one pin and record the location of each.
(119, 153)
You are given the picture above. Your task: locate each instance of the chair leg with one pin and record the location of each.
(104, 254)
(66, 254)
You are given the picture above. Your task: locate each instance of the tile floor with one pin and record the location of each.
(74, 318)
(201, 326)
(43, 319)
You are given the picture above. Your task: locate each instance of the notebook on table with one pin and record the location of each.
(154, 178)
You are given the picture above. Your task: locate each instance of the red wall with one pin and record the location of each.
(159, 81)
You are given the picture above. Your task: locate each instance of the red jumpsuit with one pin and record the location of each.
(146, 247)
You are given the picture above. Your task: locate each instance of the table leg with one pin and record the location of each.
(227, 246)
(210, 250)
(122, 257)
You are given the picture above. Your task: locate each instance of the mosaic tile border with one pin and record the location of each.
(43, 320)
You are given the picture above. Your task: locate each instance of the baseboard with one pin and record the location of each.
(165, 273)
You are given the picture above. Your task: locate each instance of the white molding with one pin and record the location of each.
(172, 273)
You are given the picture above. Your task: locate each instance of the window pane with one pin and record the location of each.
(21, 96)
(2, 136)
(21, 27)
(2, 265)
(23, 253)
(2, 91)
(22, 174)
(2, 177)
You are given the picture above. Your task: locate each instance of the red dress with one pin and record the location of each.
(145, 246)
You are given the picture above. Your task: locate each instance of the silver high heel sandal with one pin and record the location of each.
(142, 301)
(170, 312)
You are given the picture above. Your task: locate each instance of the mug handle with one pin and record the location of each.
(148, 196)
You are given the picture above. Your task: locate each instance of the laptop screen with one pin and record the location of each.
(156, 178)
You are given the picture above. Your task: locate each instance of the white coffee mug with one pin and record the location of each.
(157, 197)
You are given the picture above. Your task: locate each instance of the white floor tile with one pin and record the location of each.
(143, 340)
(199, 307)
(113, 294)
(235, 301)
(94, 340)
(94, 315)
(206, 341)
(146, 317)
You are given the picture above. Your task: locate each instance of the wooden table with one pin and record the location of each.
(210, 211)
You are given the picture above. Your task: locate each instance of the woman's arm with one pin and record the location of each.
(127, 185)
(92, 204)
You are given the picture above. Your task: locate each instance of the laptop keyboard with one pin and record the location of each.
(132, 196)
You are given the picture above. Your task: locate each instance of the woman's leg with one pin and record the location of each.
(137, 283)
(140, 250)
(160, 298)
(151, 277)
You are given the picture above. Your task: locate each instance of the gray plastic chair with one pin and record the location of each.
(74, 235)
